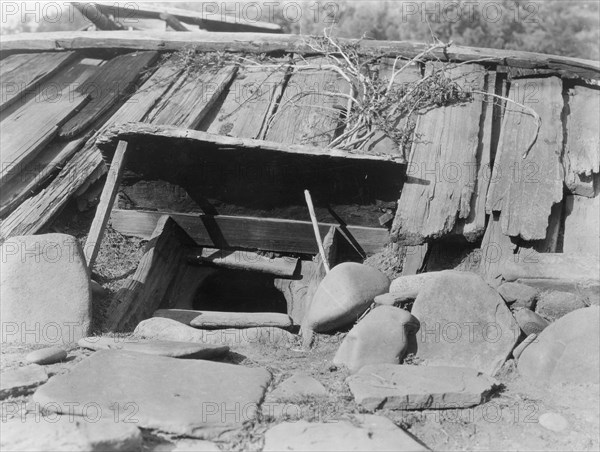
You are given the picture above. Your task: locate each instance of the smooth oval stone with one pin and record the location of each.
(343, 295)
(49, 355)
(530, 322)
(384, 335)
(553, 421)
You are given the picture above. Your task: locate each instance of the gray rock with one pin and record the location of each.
(573, 266)
(523, 345)
(530, 322)
(518, 295)
(390, 299)
(375, 433)
(45, 290)
(403, 387)
(297, 386)
(409, 286)
(22, 380)
(70, 434)
(188, 445)
(385, 335)
(49, 355)
(464, 322)
(554, 422)
(556, 304)
(172, 330)
(343, 295)
(567, 351)
(154, 347)
(196, 398)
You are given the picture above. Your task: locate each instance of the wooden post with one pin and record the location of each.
(313, 218)
(113, 180)
(173, 22)
(95, 16)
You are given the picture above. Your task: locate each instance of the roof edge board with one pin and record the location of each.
(267, 42)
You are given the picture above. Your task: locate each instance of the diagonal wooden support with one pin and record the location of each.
(107, 199)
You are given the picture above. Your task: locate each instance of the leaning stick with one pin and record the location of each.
(313, 218)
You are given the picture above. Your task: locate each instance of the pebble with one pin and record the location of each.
(554, 422)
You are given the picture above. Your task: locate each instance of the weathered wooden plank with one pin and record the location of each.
(244, 260)
(582, 225)
(110, 83)
(179, 137)
(24, 133)
(18, 78)
(258, 43)
(473, 227)
(87, 166)
(191, 97)
(14, 61)
(38, 172)
(210, 18)
(144, 292)
(34, 213)
(414, 259)
(92, 13)
(524, 189)
(440, 173)
(107, 199)
(173, 22)
(248, 102)
(573, 266)
(309, 111)
(582, 150)
(380, 143)
(228, 232)
(495, 249)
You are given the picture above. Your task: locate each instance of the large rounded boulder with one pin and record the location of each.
(343, 295)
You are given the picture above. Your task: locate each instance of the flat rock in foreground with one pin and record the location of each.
(172, 330)
(404, 387)
(375, 433)
(174, 349)
(22, 380)
(567, 351)
(464, 322)
(73, 435)
(200, 399)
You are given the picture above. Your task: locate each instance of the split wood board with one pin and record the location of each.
(582, 225)
(441, 172)
(111, 82)
(20, 73)
(258, 43)
(228, 232)
(524, 189)
(145, 291)
(248, 102)
(582, 151)
(309, 110)
(24, 133)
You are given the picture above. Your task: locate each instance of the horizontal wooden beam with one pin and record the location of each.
(209, 18)
(229, 232)
(244, 260)
(258, 43)
(132, 132)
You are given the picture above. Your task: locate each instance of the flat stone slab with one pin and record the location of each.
(173, 349)
(45, 290)
(298, 385)
(518, 295)
(403, 387)
(464, 322)
(375, 433)
(49, 355)
(214, 320)
(567, 351)
(22, 380)
(530, 322)
(61, 433)
(409, 286)
(196, 398)
(172, 330)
